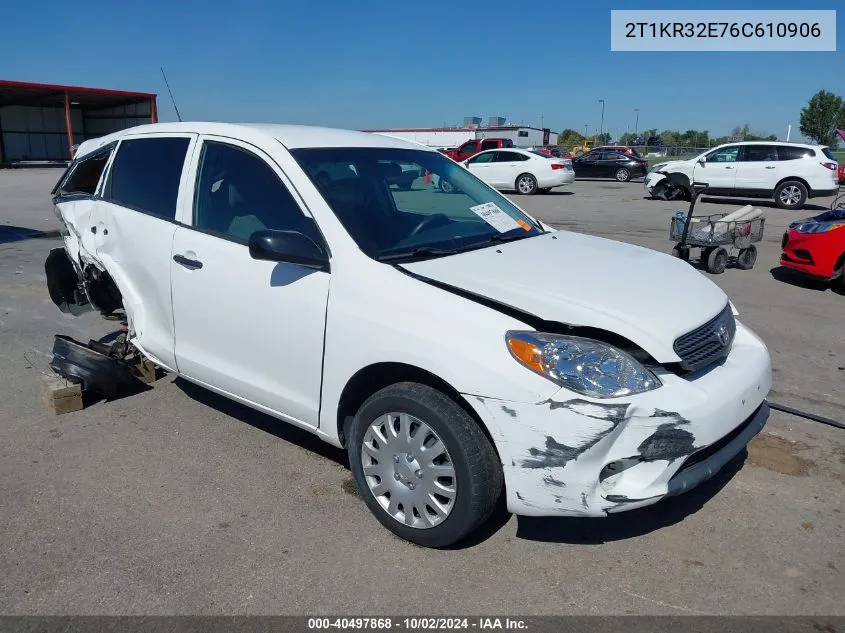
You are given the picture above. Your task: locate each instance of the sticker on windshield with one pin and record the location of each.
(495, 217)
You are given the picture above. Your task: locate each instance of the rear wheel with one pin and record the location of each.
(717, 260)
(747, 258)
(791, 194)
(681, 252)
(526, 184)
(424, 467)
(623, 175)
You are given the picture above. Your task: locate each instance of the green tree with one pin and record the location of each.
(569, 138)
(628, 138)
(822, 115)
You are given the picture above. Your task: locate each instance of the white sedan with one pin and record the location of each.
(458, 348)
(523, 171)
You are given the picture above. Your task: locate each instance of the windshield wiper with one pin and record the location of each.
(415, 253)
(504, 237)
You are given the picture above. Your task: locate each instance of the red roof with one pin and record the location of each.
(26, 93)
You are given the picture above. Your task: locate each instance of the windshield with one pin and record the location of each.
(398, 203)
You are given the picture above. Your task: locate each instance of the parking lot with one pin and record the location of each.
(176, 501)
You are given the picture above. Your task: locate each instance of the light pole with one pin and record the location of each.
(585, 131)
(637, 124)
(601, 127)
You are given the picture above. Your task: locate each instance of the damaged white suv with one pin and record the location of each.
(456, 346)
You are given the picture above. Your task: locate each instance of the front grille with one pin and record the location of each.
(708, 343)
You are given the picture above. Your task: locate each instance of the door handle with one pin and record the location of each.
(770, 166)
(728, 167)
(190, 264)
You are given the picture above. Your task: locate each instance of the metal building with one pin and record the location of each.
(43, 122)
(447, 138)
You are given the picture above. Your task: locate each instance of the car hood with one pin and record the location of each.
(648, 297)
(673, 165)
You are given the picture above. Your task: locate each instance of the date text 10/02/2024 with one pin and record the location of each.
(417, 623)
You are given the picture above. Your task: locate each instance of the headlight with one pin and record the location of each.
(818, 227)
(581, 365)
(658, 166)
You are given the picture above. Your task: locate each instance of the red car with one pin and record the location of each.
(816, 246)
(842, 174)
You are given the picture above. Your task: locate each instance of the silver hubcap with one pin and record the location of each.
(408, 470)
(790, 195)
(622, 174)
(526, 185)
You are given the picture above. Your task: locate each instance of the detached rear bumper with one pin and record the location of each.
(571, 456)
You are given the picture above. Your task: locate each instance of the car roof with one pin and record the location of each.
(518, 150)
(770, 143)
(291, 136)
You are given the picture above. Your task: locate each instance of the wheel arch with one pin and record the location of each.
(368, 380)
(840, 263)
(797, 179)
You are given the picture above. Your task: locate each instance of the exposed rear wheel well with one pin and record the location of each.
(796, 179)
(378, 376)
(840, 264)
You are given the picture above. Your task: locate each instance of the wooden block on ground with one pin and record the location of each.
(147, 371)
(60, 395)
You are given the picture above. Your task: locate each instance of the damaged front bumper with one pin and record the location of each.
(571, 456)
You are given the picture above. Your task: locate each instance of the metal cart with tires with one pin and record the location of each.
(720, 241)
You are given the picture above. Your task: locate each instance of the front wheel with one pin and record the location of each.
(623, 175)
(791, 194)
(747, 258)
(424, 467)
(717, 260)
(526, 184)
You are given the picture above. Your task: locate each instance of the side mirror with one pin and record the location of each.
(288, 246)
(702, 160)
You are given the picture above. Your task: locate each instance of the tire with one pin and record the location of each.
(476, 473)
(681, 252)
(526, 184)
(623, 175)
(791, 194)
(747, 258)
(717, 260)
(842, 276)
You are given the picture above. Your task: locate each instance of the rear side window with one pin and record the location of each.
(469, 147)
(509, 157)
(759, 153)
(146, 173)
(489, 145)
(790, 152)
(85, 176)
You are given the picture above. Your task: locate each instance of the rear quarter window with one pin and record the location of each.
(827, 152)
(790, 152)
(83, 176)
(146, 173)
